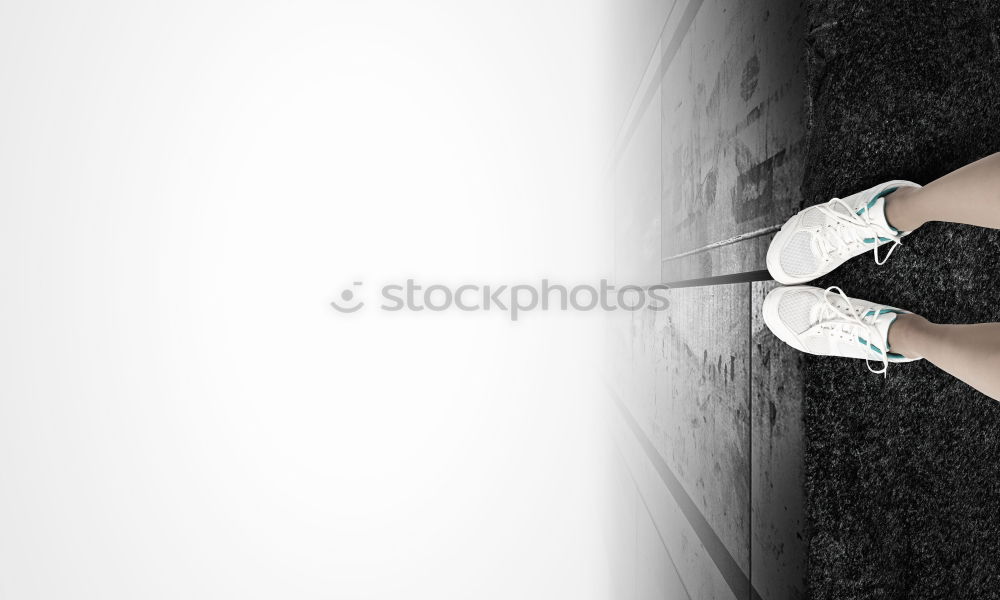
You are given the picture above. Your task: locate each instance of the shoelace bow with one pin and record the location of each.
(856, 322)
(858, 228)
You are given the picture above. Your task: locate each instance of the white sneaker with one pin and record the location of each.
(821, 238)
(828, 323)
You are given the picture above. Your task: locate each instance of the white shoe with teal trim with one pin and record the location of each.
(828, 323)
(821, 238)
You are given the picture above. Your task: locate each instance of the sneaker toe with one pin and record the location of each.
(790, 257)
(786, 312)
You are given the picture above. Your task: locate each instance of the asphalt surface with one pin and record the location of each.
(903, 473)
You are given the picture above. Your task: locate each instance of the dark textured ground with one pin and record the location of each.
(903, 474)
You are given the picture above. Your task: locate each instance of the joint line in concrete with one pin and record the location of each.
(669, 52)
(656, 528)
(730, 570)
(730, 278)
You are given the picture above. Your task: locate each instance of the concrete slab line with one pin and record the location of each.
(645, 505)
(632, 106)
(668, 56)
(734, 576)
(745, 277)
(726, 242)
(750, 432)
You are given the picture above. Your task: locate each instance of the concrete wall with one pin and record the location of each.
(707, 405)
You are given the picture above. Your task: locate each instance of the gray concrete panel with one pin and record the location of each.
(715, 399)
(622, 535)
(698, 570)
(733, 127)
(637, 204)
(657, 577)
(636, 28)
(778, 545)
(697, 413)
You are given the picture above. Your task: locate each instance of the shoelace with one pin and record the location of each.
(852, 318)
(856, 228)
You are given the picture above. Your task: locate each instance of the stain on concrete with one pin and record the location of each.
(709, 187)
(748, 85)
(755, 189)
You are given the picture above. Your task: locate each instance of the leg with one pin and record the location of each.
(969, 352)
(970, 195)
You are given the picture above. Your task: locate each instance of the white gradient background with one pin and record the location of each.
(184, 186)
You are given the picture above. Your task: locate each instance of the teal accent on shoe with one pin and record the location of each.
(872, 202)
(864, 342)
(896, 356)
(872, 240)
(882, 312)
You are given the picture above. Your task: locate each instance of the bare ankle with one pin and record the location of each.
(905, 334)
(900, 209)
